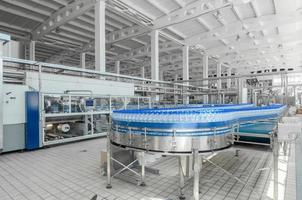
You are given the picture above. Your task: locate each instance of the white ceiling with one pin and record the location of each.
(243, 34)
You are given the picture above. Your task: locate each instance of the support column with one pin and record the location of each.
(181, 195)
(161, 75)
(154, 56)
(143, 72)
(229, 80)
(83, 60)
(235, 81)
(205, 74)
(175, 87)
(155, 59)
(185, 71)
(32, 50)
(100, 47)
(197, 167)
(275, 166)
(218, 75)
(117, 68)
(143, 169)
(218, 71)
(108, 162)
(242, 91)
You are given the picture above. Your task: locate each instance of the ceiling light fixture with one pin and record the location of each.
(218, 14)
(255, 42)
(205, 6)
(244, 27)
(238, 38)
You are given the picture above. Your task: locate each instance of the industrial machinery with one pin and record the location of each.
(72, 115)
(188, 130)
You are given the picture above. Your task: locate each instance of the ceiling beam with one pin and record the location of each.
(60, 17)
(266, 49)
(111, 38)
(28, 7)
(244, 26)
(282, 55)
(146, 51)
(189, 12)
(21, 14)
(181, 3)
(249, 44)
(17, 28)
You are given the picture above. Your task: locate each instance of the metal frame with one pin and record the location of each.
(197, 160)
(62, 16)
(269, 136)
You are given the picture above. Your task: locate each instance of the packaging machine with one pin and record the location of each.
(47, 109)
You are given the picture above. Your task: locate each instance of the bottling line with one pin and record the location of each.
(182, 131)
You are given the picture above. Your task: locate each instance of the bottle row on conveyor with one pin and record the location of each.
(177, 130)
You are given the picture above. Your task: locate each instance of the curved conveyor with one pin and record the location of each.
(179, 130)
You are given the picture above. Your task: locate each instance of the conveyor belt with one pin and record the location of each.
(257, 128)
(180, 129)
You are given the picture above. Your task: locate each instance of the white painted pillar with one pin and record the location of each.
(100, 47)
(175, 95)
(32, 50)
(205, 74)
(161, 75)
(229, 81)
(83, 60)
(235, 80)
(154, 56)
(218, 72)
(117, 67)
(155, 59)
(143, 72)
(185, 70)
(218, 75)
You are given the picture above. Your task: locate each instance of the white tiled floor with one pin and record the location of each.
(72, 171)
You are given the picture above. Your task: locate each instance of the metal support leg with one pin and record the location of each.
(108, 163)
(237, 152)
(275, 158)
(196, 174)
(143, 169)
(181, 180)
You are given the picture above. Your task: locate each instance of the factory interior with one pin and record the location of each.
(151, 99)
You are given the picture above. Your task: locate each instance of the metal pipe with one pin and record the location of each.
(143, 169)
(181, 179)
(275, 169)
(108, 161)
(197, 167)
